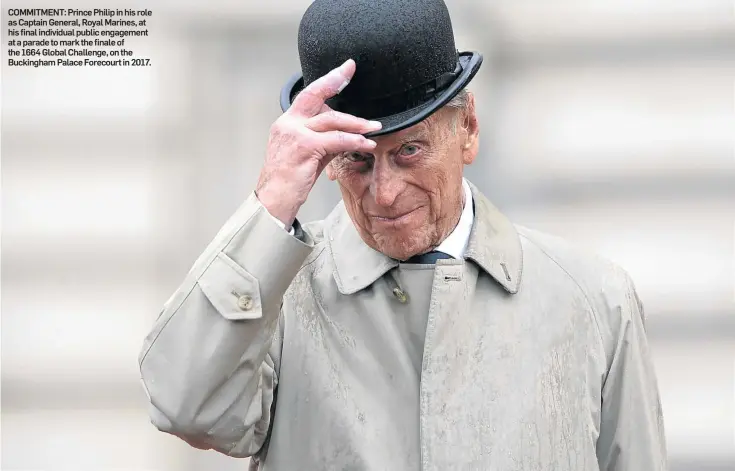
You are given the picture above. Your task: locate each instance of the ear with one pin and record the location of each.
(471, 131)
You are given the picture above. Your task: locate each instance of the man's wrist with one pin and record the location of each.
(281, 224)
(283, 213)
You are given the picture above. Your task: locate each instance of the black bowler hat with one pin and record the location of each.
(407, 64)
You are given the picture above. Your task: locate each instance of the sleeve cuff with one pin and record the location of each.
(280, 223)
(265, 251)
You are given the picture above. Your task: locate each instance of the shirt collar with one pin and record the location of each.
(493, 245)
(456, 242)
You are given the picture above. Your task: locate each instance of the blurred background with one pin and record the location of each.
(607, 122)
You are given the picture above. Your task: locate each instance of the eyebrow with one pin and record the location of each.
(418, 135)
(422, 135)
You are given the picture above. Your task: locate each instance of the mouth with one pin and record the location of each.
(393, 220)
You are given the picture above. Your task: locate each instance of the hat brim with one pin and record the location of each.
(470, 63)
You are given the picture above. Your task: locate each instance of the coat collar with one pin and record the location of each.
(494, 245)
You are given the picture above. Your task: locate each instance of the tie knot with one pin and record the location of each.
(428, 258)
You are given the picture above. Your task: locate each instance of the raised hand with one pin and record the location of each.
(303, 141)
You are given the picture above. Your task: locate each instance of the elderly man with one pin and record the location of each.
(415, 328)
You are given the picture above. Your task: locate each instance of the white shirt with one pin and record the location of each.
(456, 242)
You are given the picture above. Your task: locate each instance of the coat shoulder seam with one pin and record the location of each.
(595, 313)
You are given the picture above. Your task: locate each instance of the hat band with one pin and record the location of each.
(397, 102)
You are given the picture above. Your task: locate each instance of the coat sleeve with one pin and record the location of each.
(210, 364)
(631, 429)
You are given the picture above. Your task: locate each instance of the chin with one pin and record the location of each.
(400, 245)
(400, 240)
(395, 253)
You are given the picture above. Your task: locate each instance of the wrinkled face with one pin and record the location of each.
(406, 196)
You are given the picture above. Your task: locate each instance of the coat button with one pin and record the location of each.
(245, 302)
(400, 295)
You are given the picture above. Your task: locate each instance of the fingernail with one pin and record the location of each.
(375, 124)
(371, 143)
(342, 87)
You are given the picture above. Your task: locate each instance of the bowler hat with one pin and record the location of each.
(407, 63)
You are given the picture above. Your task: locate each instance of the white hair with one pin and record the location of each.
(460, 100)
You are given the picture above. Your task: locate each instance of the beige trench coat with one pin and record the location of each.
(280, 348)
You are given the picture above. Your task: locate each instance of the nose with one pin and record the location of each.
(386, 185)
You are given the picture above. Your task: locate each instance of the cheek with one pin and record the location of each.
(354, 181)
(432, 171)
(437, 174)
(353, 186)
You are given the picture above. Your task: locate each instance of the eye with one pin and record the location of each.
(409, 150)
(356, 157)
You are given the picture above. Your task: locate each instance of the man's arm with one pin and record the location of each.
(631, 429)
(210, 364)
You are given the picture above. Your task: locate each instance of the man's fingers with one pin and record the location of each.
(336, 121)
(311, 99)
(336, 142)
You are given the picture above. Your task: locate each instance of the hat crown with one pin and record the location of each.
(397, 44)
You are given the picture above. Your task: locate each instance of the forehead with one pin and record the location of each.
(425, 130)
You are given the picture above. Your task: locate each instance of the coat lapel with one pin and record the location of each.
(494, 245)
(356, 265)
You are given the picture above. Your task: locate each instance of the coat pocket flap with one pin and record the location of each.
(233, 291)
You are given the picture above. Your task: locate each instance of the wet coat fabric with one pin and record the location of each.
(293, 350)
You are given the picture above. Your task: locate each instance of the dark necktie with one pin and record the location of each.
(429, 257)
